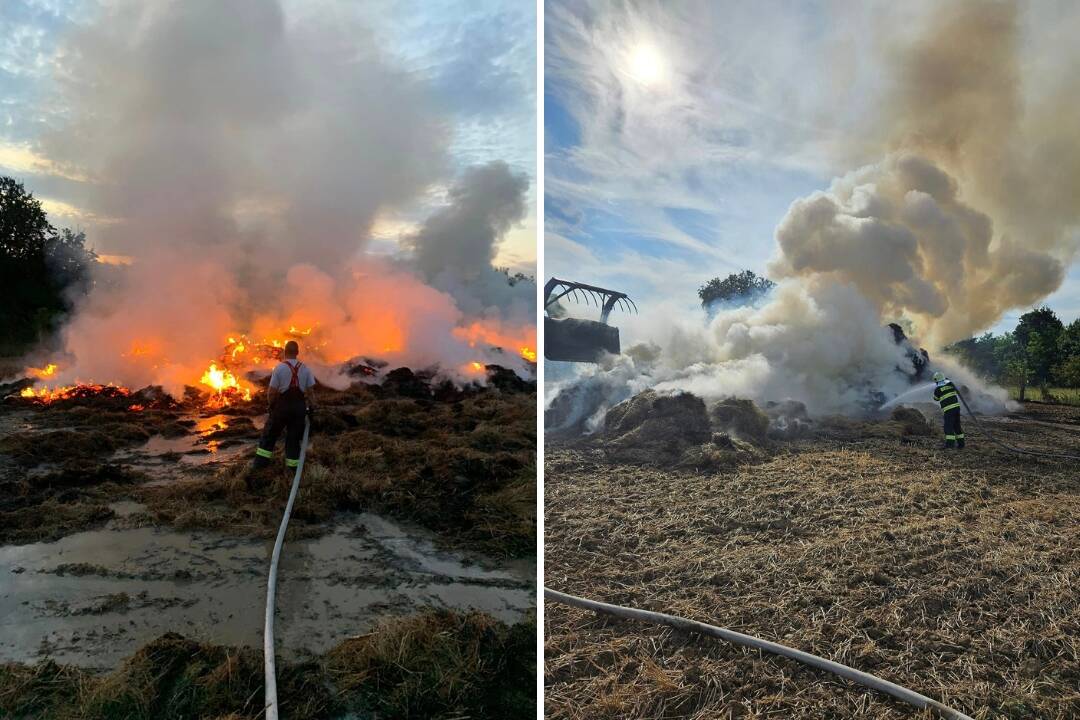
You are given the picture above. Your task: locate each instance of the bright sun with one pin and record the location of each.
(646, 65)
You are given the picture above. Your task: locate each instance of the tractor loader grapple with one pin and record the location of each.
(577, 340)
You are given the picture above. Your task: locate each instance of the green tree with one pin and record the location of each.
(737, 288)
(981, 354)
(1069, 341)
(1039, 334)
(1067, 372)
(40, 268)
(1011, 358)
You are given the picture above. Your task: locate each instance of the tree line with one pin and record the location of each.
(1040, 352)
(42, 269)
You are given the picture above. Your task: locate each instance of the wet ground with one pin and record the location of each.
(92, 598)
(105, 588)
(173, 459)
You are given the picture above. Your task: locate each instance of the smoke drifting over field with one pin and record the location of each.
(246, 155)
(962, 206)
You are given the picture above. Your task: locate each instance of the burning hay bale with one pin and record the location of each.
(655, 421)
(651, 416)
(404, 382)
(905, 424)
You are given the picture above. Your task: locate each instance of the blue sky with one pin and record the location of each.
(476, 61)
(678, 134)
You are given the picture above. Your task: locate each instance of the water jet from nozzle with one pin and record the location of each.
(901, 396)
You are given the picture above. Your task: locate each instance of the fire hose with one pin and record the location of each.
(271, 703)
(991, 438)
(857, 676)
(686, 625)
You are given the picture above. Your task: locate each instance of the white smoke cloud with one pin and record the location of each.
(246, 154)
(191, 115)
(899, 233)
(962, 206)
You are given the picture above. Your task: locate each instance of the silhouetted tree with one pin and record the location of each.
(40, 268)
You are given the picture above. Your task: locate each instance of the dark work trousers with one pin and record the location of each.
(287, 413)
(954, 434)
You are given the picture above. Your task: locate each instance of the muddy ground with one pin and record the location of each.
(134, 542)
(953, 573)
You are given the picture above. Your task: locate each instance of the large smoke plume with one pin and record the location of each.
(963, 206)
(899, 232)
(245, 155)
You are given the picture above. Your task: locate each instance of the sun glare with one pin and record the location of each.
(646, 65)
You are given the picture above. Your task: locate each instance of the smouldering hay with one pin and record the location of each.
(953, 573)
(911, 422)
(741, 418)
(465, 469)
(676, 431)
(436, 664)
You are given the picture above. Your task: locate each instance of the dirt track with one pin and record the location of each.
(954, 574)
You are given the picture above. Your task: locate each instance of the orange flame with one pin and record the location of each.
(47, 395)
(382, 334)
(225, 386)
(47, 371)
(524, 339)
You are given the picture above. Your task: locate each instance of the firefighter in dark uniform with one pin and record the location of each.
(290, 399)
(949, 399)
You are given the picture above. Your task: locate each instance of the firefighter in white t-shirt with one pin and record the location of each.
(290, 396)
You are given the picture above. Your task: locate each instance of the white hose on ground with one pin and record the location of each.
(871, 681)
(271, 704)
(991, 438)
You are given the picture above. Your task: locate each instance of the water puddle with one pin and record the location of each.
(201, 446)
(92, 598)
